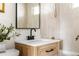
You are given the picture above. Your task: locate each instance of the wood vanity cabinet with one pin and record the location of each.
(24, 50)
(43, 50)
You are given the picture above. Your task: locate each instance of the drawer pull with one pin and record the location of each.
(50, 50)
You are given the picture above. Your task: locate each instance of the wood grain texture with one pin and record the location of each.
(44, 50)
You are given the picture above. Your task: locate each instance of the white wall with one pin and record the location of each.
(69, 21)
(49, 23)
(9, 16)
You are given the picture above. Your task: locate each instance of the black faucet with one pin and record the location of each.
(31, 37)
(31, 31)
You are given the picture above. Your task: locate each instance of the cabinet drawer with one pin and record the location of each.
(48, 50)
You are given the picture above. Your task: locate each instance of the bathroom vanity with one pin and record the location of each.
(41, 47)
(36, 47)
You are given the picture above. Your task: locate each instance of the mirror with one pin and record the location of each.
(27, 15)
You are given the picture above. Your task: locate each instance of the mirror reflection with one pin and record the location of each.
(28, 15)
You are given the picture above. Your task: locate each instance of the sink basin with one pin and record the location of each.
(36, 42)
(40, 41)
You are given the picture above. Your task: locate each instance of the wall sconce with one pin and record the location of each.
(2, 7)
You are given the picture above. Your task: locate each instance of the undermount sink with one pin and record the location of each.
(36, 42)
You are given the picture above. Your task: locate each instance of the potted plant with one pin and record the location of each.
(6, 33)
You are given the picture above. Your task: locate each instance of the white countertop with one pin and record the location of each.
(36, 42)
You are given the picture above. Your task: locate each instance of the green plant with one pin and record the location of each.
(7, 32)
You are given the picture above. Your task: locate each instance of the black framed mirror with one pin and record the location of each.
(28, 15)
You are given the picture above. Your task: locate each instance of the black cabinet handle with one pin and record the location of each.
(50, 50)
